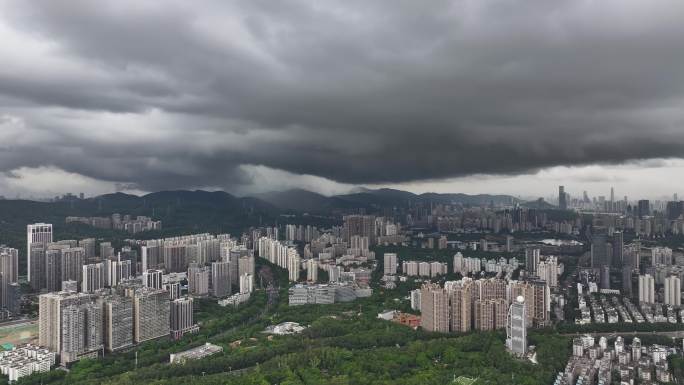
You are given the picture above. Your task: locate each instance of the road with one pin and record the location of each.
(671, 334)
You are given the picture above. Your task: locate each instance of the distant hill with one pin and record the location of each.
(303, 200)
(539, 204)
(180, 212)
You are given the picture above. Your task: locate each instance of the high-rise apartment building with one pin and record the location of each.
(198, 280)
(37, 258)
(311, 270)
(151, 314)
(532, 257)
(9, 277)
(434, 307)
(646, 289)
(673, 291)
(220, 279)
(175, 257)
(548, 271)
(71, 267)
(36, 233)
(70, 324)
(181, 317)
(361, 225)
(246, 283)
(118, 322)
(293, 265)
(152, 278)
(460, 294)
(390, 264)
(93, 277)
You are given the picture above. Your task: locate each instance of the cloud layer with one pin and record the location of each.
(176, 94)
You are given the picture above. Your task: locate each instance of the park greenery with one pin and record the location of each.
(343, 344)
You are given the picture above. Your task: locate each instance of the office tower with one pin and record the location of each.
(246, 283)
(36, 233)
(599, 248)
(220, 279)
(175, 258)
(627, 274)
(198, 280)
(88, 245)
(152, 278)
(532, 260)
(106, 250)
(293, 265)
(618, 258)
(646, 289)
(362, 225)
(181, 321)
(643, 208)
(516, 329)
(460, 297)
(548, 271)
(246, 265)
(612, 199)
(673, 291)
(390, 263)
(312, 270)
(636, 349)
(434, 308)
(562, 198)
(151, 314)
(93, 277)
(70, 324)
(71, 267)
(118, 322)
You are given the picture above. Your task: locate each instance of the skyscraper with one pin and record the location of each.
(35, 233)
(562, 198)
(9, 275)
(644, 208)
(516, 329)
(599, 248)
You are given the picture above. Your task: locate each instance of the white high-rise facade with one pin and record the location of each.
(646, 289)
(673, 291)
(36, 233)
(390, 263)
(516, 327)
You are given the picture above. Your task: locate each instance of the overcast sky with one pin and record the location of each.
(498, 96)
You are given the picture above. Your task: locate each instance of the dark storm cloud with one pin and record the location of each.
(180, 94)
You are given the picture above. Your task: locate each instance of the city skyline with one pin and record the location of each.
(486, 97)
